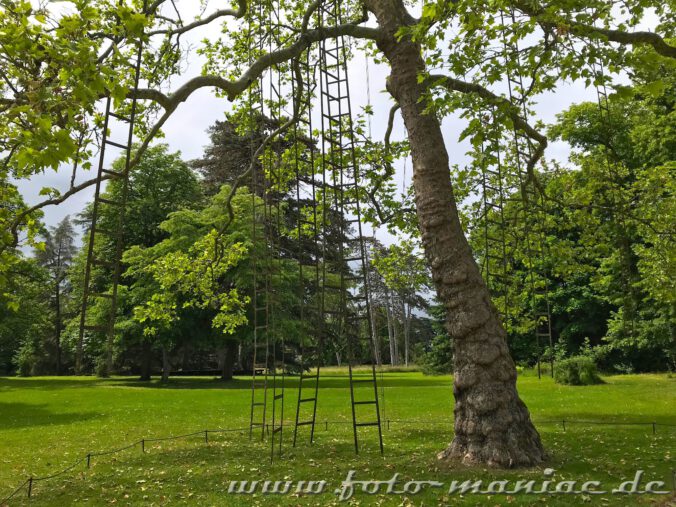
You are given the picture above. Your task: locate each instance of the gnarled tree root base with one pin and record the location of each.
(507, 445)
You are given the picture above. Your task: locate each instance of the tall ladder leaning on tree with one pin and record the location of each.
(614, 171)
(532, 200)
(267, 192)
(310, 260)
(339, 162)
(277, 189)
(495, 264)
(122, 116)
(260, 253)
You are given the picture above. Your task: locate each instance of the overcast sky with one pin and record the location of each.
(186, 130)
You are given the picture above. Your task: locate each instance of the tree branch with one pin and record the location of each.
(231, 88)
(513, 111)
(582, 30)
(55, 200)
(239, 13)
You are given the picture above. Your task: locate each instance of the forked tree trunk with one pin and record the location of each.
(492, 425)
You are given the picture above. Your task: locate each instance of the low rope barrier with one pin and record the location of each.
(29, 483)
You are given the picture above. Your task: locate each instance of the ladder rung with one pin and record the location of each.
(108, 201)
(279, 396)
(305, 423)
(101, 262)
(120, 117)
(373, 402)
(101, 295)
(106, 232)
(303, 400)
(368, 424)
(115, 174)
(94, 328)
(258, 404)
(117, 145)
(356, 298)
(277, 430)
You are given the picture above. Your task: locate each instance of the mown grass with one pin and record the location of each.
(48, 423)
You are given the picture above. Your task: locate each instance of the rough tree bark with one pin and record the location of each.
(492, 424)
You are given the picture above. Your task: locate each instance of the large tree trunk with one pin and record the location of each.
(492, 425)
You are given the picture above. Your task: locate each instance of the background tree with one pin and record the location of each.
(405, 273)
(56, 256)
(160, 184)
(27, 323)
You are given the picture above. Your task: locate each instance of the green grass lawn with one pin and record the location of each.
(48, 423)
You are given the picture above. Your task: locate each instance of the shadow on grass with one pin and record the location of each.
(332, 381)
(51, 383)
(24, 415)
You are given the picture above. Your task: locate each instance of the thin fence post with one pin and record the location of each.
(563, 422)
(388, 424)
(30, 486)
(654, 428)
(143, 445)
(89, 460)
(206, 436)
(326, 425)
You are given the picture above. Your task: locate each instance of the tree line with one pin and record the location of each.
(609, 261)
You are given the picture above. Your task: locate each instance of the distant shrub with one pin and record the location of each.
(577, 371)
